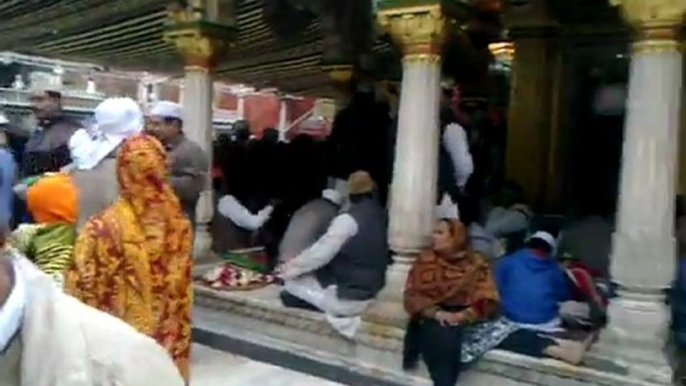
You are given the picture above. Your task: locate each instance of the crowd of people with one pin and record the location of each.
(495, 277)
(107, 214)
(97, 250)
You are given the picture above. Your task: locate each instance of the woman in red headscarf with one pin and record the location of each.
(134, 259)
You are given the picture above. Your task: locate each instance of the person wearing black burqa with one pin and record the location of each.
(359, 139)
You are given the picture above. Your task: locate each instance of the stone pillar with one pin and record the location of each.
(283, 119)
(197, 118)
(200, 42)
(142, 93)
(644, 248)
(240, 109)
(420, 31)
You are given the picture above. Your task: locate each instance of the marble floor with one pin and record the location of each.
(217, 368)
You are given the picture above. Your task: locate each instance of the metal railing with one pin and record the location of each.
(300, 120)
(71, 100)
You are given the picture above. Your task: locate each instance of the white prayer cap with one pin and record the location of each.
(333, 196)
(447, 209)
(547, 237)
(166, 109)
(3, 119)
(116, 119)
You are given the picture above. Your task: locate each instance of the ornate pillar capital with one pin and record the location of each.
(196, 48)
(420, 27)
(200, 42)
(653, 19)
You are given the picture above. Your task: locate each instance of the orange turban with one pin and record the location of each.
(53, 199)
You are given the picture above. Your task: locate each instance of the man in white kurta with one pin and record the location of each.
(344, 269)
(48, 338)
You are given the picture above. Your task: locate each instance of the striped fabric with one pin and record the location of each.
(49, 246)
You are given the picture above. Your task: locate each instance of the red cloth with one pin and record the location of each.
(586, 285)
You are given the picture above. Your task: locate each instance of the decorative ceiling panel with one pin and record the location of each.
(128, 35)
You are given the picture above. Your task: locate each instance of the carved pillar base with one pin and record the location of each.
(636, 336)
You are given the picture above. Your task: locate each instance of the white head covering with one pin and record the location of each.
(166, 109)
(116, 119)
(547, 237)
(333, 196)
(447, 209)
(82, 148)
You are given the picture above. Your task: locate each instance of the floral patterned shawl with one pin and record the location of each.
(134, 259)
(468, 282)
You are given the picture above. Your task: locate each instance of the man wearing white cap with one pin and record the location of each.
(533, 287)
(94, 154)
(189, 163)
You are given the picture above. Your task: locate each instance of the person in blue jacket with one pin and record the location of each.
(532, 284)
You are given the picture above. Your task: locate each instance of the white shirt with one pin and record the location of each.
(12, 312)
(229, 207)
(455, 142)
(342, 228)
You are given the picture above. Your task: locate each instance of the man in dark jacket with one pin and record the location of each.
(343, 271)
(47, 150)
(190, 164)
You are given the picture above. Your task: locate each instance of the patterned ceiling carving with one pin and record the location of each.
(128, 34)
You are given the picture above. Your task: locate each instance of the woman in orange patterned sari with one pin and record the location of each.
(134, 259)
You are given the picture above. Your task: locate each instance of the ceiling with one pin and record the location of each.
(127, 34)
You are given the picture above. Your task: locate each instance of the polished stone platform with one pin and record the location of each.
(255, 325)
(210, 367)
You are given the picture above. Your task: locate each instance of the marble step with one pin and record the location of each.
(255, 324)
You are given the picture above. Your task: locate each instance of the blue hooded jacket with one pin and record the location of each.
(531, 287)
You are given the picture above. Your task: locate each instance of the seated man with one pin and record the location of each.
(235, 229)
(509, 221)
(309, 223)
(235, 238)
(344, 270)
(532, 287)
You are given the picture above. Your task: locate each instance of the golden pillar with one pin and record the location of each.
(532, 155)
